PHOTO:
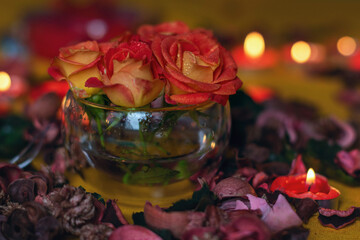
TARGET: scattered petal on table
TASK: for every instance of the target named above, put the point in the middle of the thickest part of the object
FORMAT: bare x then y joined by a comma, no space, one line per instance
133,232
176,222
336,218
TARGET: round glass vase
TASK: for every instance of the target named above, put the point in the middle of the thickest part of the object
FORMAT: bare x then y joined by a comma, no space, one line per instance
143,154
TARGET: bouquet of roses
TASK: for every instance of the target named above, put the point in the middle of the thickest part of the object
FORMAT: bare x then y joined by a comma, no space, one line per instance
169,60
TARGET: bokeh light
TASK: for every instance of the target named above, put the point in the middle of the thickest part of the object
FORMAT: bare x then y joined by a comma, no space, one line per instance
300,52
5,81
346,46
254,45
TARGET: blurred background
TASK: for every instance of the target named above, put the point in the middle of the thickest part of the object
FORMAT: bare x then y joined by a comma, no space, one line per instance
299,50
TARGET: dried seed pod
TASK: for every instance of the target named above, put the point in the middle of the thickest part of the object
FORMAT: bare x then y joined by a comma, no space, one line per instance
233,187
22,190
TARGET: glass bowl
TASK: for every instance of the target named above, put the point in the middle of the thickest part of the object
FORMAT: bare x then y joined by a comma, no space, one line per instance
144,147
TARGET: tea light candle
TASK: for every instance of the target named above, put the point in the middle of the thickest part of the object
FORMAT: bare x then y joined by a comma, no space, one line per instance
308,185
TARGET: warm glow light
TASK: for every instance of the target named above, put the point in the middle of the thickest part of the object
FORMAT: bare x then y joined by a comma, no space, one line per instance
213,144
5,81
254,45
300,52
310,177
346,46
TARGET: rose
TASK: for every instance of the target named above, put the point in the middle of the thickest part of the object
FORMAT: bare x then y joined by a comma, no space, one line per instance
196,66
127,74
148,32
77,64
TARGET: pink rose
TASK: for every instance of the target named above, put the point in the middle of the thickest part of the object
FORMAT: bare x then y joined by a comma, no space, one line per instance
128,78
196,66
77,64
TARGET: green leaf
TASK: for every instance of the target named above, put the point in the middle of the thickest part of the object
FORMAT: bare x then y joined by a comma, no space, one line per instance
199,201
152,175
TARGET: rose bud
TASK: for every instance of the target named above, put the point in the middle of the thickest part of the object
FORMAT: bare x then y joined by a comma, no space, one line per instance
77,64
128,79
196,66
22,190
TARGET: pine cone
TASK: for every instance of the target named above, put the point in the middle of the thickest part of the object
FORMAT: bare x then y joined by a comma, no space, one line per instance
73,208
95,232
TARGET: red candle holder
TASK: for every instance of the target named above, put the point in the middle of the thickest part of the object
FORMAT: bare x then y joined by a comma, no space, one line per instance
295,186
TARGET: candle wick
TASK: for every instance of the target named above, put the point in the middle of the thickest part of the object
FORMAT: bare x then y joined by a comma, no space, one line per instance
309,187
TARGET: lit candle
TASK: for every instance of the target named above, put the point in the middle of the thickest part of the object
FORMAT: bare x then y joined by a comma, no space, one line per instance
253,55
308,185
5,81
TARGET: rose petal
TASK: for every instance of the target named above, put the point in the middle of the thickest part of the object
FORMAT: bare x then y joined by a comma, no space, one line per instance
305,208
176,222
281,216
199,233
133,232
349,162
94,82
247,226
113,214
336,218
297,166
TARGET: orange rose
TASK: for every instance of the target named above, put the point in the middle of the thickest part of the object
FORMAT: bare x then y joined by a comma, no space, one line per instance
77,64
128,79
196,66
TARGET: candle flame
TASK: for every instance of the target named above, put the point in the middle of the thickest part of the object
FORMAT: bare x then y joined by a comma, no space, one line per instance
301,52
5,81
310,177
254,45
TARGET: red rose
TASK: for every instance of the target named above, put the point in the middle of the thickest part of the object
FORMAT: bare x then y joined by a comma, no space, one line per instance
148,32
196,66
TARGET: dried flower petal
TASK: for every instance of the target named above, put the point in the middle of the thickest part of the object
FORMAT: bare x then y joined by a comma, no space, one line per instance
9,173
47,228
215,217
259,178
22,190
349,162
305,208
35,211
336,218
95,232
281,216
233,187
247,226
297,166
41,184
176,222
18,226
133,232
296,233
113,214
203,233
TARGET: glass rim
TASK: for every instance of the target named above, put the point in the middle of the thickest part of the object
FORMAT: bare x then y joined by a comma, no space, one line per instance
206,104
